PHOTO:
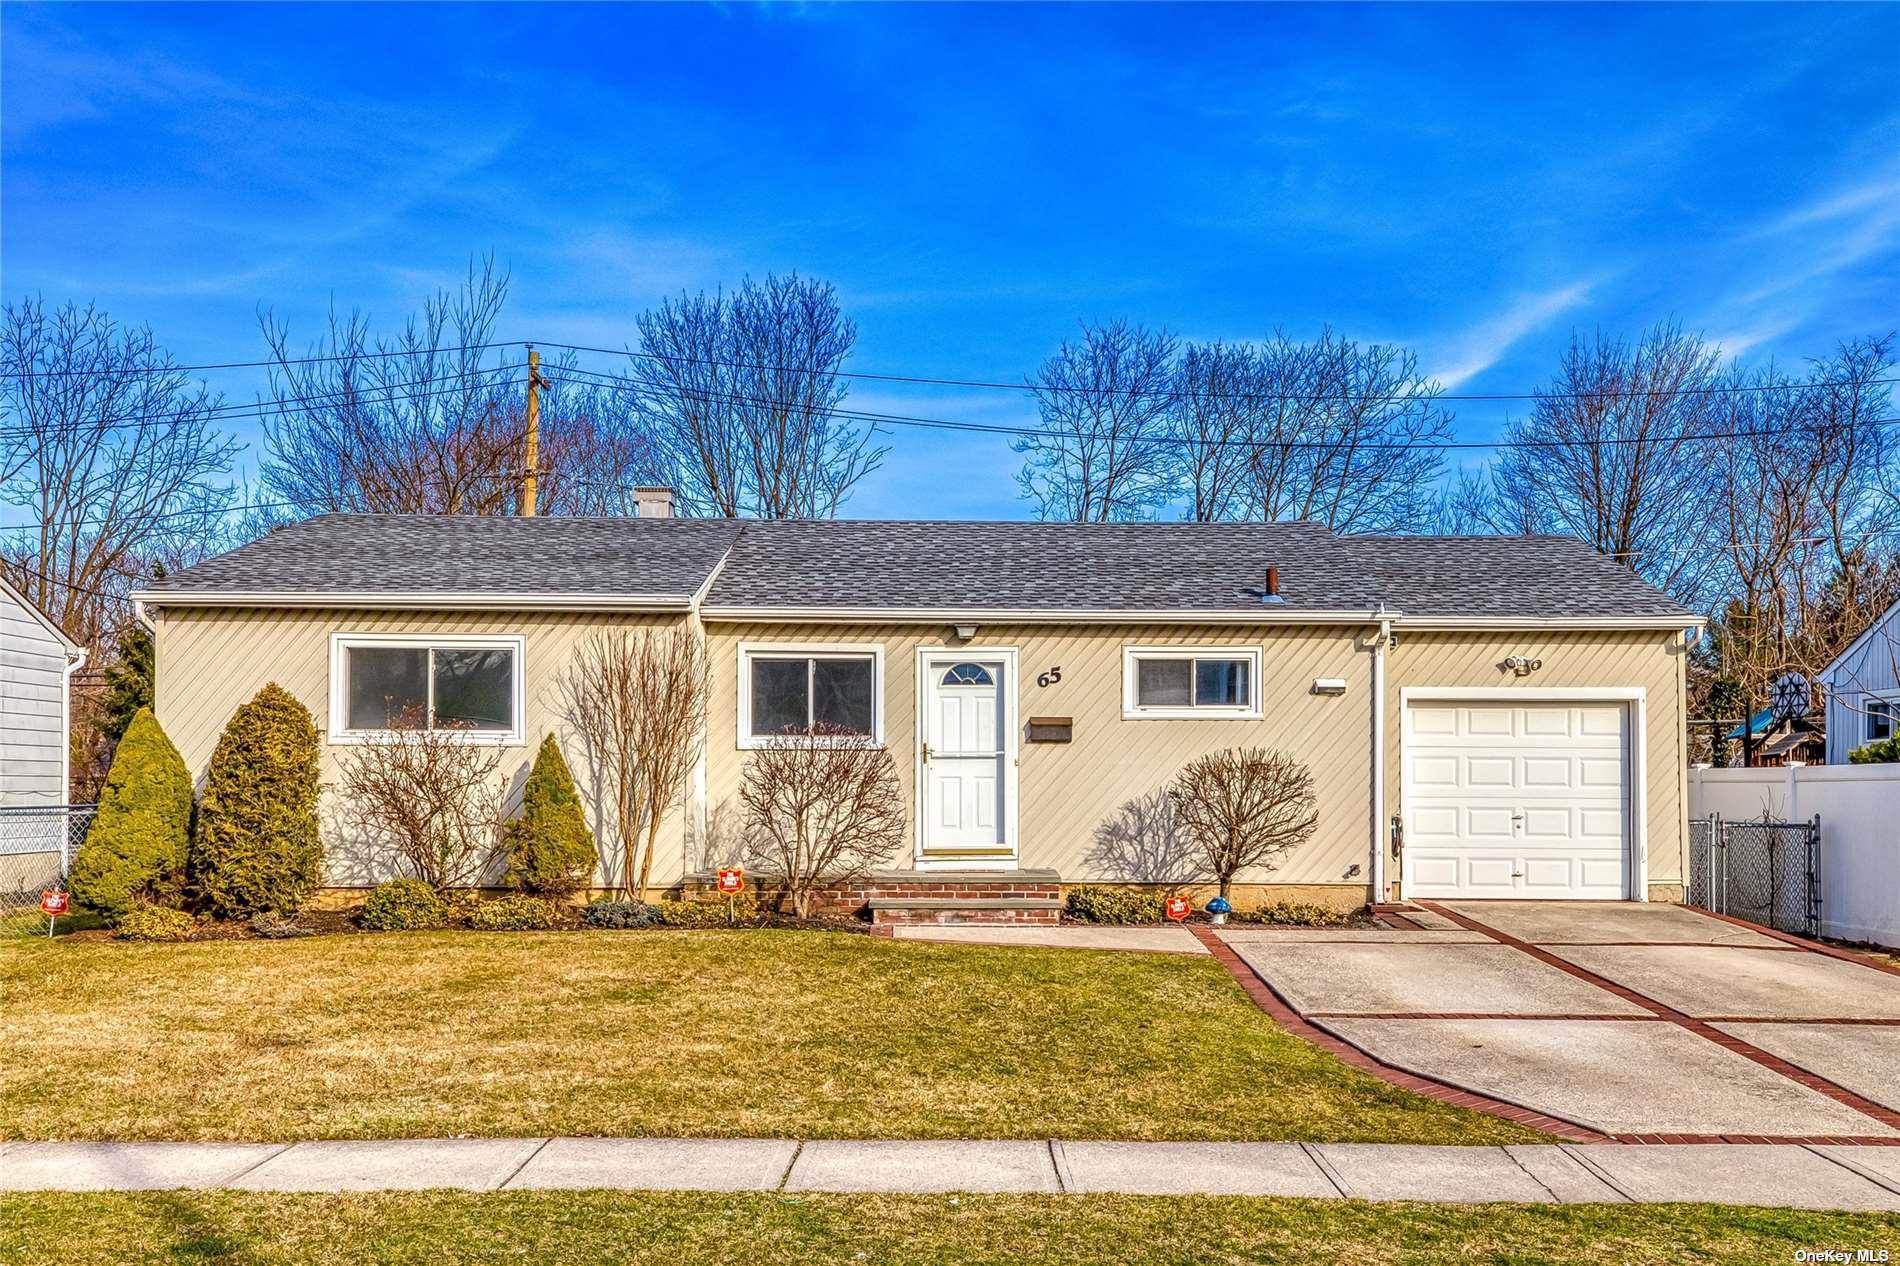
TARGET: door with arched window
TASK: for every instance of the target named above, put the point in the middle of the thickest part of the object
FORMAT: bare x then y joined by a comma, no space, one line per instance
967,757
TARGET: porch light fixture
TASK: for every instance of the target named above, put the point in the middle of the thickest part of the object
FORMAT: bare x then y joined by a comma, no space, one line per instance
965,632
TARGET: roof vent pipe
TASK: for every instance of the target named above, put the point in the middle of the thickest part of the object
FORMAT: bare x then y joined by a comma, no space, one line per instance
1270,592
653,503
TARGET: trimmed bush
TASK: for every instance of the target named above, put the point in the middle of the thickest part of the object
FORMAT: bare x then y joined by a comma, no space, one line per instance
1296,914
621,915
135,850
1879,752
257,846
550,849
519,913
710,914
1114,905
404,905
155,923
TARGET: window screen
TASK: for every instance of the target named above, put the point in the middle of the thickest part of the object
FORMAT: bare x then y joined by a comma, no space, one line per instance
796,693
444,687
385,682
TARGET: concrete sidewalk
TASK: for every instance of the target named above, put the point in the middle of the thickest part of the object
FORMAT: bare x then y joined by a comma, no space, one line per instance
1807,1177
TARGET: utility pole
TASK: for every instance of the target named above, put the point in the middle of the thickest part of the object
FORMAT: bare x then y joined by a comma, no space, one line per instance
532,450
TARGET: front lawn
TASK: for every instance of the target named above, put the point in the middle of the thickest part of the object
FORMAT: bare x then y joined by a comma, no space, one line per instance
734,1033
754,1230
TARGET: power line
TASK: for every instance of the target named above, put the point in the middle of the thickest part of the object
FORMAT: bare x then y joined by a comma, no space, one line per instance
1421,396
274,363
282,407
996,428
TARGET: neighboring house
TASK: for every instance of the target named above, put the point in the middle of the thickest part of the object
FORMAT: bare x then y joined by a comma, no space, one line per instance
1774,743
1516,702
37,663
1862,688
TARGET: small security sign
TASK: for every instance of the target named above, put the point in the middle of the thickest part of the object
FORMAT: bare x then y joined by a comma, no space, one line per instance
731,880
1178,908
53,903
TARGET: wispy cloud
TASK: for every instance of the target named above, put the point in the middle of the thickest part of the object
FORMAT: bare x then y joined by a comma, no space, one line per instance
1469,353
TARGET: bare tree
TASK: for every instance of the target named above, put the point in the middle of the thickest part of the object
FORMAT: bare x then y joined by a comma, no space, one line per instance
432,796
410,424
1212,425
1616,453
823,806
742,391
1142,843
638,701
1244,807
114,455
1103,449
1343,433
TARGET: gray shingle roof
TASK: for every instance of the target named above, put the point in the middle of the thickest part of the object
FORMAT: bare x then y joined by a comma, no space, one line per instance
662,559
935,566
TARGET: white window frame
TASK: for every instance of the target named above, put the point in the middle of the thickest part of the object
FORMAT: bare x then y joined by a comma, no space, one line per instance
341,644
1133,711
750,651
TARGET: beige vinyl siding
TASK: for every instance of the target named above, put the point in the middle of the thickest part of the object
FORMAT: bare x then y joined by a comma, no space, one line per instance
210,661
1652,660
1067,791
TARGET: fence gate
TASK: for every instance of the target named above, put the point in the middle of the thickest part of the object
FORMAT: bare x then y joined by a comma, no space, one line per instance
1764,871
37,846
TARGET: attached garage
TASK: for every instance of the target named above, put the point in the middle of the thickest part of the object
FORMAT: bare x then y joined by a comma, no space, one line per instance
1522,794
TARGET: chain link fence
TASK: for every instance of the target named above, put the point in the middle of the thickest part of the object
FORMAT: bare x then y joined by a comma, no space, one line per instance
1761,870
37,846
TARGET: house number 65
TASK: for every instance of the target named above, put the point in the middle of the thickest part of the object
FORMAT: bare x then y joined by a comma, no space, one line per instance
1049,678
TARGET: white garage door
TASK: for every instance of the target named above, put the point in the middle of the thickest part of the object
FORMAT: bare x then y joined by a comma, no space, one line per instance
1504,800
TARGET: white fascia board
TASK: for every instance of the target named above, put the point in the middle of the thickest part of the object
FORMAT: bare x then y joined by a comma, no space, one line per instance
386,601
1663,623
1024,615
1264,615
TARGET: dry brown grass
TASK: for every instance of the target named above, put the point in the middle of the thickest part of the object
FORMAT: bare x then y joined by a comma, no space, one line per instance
746,1033
430,1228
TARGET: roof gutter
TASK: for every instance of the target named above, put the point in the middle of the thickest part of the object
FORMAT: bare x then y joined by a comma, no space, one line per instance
390,601
1262,615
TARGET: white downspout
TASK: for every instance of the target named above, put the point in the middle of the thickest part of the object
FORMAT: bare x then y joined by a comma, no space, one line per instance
1381,890
73,665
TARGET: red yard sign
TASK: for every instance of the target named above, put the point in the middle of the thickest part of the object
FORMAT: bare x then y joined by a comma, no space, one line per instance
53,903
1179,908
731,879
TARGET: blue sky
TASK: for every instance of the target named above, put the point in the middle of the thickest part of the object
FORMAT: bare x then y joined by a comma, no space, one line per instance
1472,182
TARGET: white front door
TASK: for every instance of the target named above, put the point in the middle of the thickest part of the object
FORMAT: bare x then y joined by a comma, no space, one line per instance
967,756
1515,800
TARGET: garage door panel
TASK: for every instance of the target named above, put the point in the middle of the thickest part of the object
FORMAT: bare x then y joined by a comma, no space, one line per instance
1516,800
1547,722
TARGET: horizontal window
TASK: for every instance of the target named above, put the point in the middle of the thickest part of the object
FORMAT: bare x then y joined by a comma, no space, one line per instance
389,682
1189,682
792,691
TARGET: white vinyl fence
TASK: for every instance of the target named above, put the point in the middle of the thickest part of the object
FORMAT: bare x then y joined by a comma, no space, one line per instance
1859,807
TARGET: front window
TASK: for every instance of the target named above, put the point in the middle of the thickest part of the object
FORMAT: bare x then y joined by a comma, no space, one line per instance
381,683
787,691
1879,720
1189,683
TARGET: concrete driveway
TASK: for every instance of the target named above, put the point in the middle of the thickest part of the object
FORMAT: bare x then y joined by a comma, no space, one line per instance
1629,1019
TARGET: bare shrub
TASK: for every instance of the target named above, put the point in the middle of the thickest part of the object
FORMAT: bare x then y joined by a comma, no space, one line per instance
1245,807
638,701
822,805
432,796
